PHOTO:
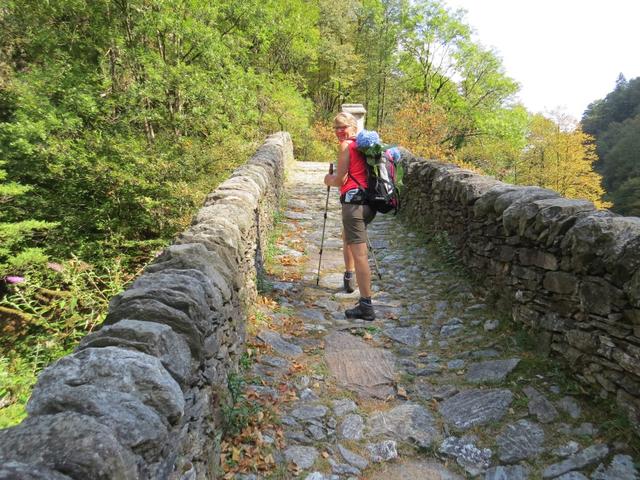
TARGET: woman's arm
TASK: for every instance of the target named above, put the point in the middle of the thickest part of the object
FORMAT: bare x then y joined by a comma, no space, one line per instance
340,177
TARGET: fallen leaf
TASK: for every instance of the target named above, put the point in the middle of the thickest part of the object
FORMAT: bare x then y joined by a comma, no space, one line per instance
236,454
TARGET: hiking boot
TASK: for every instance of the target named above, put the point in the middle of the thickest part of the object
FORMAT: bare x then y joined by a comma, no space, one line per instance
349,281
363,310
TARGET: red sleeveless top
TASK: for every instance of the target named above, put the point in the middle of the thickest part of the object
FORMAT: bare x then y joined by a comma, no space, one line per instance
357,170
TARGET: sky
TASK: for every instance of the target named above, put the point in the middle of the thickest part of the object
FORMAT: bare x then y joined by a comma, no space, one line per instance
564,53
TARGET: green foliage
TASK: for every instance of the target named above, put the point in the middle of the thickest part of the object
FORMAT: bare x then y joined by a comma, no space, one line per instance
43,319
239,412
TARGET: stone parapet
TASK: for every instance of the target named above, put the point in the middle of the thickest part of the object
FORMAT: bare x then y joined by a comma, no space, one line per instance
560,266
141,398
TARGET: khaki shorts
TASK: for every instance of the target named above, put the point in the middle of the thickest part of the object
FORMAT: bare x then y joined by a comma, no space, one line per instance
355,219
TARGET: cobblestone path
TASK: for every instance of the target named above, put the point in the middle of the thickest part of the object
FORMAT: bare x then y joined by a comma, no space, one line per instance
435,388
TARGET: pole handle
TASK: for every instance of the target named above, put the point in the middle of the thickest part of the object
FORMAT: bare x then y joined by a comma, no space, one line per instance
331,168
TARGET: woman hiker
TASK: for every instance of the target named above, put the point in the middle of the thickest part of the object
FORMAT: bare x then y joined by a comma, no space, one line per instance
350,173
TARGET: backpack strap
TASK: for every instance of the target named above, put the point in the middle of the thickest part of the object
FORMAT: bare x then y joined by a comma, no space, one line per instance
354,179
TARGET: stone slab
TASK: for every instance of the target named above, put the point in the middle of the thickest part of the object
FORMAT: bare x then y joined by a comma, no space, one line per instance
411,336
279,344
408,422
357,366
491,370
414,469
519,441
476,407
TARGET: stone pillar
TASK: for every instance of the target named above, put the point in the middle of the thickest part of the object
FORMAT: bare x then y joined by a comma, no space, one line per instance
357,110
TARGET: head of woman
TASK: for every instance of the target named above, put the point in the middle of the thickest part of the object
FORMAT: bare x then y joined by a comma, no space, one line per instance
345,126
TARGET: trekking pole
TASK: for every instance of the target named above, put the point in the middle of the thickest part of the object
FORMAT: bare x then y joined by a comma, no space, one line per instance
326,208
373,254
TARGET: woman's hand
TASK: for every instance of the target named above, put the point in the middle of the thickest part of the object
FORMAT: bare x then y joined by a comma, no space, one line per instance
329,180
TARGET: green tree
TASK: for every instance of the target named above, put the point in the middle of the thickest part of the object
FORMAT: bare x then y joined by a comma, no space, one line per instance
614,122
15,255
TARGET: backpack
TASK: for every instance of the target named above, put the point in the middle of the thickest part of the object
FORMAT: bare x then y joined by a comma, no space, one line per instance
384,173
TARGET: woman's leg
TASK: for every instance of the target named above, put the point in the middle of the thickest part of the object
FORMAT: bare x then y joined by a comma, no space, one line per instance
349,265
360,256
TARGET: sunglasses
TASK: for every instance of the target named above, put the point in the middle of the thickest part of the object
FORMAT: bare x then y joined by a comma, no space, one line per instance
340,128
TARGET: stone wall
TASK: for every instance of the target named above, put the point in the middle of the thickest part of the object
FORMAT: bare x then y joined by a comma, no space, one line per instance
563,268
141,398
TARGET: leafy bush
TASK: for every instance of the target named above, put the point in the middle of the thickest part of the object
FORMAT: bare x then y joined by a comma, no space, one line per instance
45,315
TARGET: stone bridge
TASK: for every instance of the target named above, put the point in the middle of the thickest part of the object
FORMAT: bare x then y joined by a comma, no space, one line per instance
505,341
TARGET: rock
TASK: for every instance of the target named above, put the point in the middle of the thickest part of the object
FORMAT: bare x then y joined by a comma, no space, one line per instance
343,406
520,441
297,436
477,307
540,406
353,458
152,338
71,443
424,370
21,471
415,308
320,476
308,395
413,469
455,364
585,429
135,424
580,460
488,353
108,369
405,422
473,459
241,476
572,476
303,457
621,468
262,391
142,305
275,362
306,412
297,203
333,281
512,472
383,451
282,287
311,314
445,391
351,427
297,216
569,405
317,432
358,366
475,407
343,468
411,336
328,304
279,344
491,370
491,325
451,330
567,449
